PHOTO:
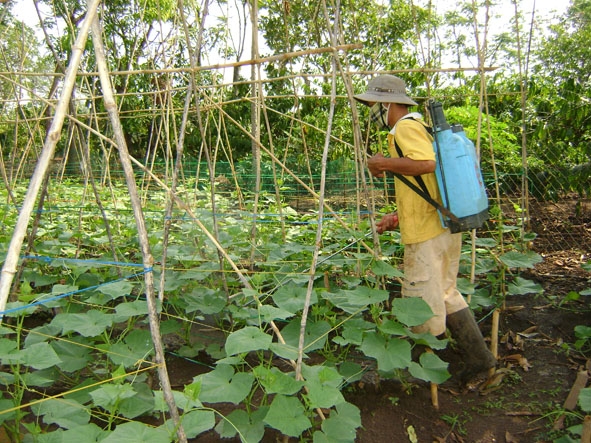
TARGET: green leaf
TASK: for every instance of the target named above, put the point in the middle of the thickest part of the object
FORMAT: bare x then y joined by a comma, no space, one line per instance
585,399
136,432
276,382
40,356
514,259
89,433
269,313
110,395
73,355
116,289
89,324
223,385
382,268
292,298
247,339
411,311
583,332
287,415
206,301
136,347
431,368
251,429
353,330
67,414
130,309
322,395
342,425
141,403
352,301
195,422
285,351
393,327
314,338
390,354
523,286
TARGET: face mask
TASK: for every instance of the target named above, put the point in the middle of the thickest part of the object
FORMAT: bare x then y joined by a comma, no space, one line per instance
378,114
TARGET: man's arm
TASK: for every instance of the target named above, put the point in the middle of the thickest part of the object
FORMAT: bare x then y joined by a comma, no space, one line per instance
378,164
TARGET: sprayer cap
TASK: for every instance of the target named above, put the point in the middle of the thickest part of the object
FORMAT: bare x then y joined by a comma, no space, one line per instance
385,88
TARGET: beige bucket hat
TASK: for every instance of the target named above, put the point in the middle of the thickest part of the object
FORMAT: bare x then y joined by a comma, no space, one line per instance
385,88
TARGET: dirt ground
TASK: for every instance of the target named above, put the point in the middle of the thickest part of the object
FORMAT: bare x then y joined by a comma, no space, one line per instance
536,372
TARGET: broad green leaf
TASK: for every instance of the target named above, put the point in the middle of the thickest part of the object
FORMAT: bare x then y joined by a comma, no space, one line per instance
342,425
514,259
292,298
285,351
116,289
523,286
276,382
326,375
42,378
322,395
382,268
352,301
247,339
89,324
250,429
431,368
137,347
194,422
270,313
5,405
40,356
223,385
353,330
42,333
8,352
428,339
392,327
136,432
89,433
485,242
141,403
110,395
124,311
390,354
67,414
184,401
315,336
206,301
287,415
465,286
583,332
585,400
411,311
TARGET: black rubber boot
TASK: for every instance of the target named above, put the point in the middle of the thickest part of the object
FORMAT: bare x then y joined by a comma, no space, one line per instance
475,355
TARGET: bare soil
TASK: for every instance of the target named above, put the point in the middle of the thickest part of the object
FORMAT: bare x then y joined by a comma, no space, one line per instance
537,363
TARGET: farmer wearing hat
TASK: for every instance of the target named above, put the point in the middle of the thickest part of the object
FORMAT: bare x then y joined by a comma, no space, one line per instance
431,251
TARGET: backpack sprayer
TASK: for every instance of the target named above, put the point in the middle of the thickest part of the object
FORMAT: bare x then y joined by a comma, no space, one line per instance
458,174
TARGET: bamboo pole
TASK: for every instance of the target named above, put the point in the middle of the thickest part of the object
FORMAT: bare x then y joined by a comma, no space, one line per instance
10,264
111,107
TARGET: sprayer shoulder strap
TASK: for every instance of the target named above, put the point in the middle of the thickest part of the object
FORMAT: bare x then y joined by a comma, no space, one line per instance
421,189
418,178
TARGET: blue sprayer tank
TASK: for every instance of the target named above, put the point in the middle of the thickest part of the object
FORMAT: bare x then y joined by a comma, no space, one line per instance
458,174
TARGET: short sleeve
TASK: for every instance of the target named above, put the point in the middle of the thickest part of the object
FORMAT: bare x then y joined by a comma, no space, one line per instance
414,140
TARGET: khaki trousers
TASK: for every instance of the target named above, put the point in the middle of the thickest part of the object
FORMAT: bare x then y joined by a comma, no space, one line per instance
430,272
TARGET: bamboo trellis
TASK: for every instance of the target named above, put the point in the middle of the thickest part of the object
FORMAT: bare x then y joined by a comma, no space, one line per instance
197,106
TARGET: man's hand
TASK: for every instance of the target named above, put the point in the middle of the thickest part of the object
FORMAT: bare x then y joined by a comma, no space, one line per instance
375,165
389,222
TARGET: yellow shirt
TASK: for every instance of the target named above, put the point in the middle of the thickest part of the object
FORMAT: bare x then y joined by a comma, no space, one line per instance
419,220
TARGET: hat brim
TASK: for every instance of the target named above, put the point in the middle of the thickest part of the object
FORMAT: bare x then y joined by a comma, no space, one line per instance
380,97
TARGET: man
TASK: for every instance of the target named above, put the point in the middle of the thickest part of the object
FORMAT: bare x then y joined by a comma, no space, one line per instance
431,252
